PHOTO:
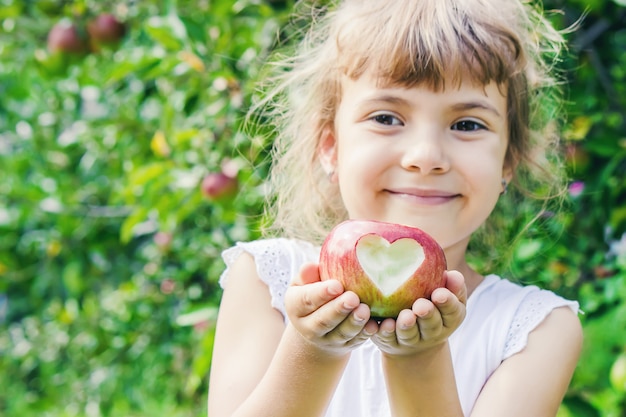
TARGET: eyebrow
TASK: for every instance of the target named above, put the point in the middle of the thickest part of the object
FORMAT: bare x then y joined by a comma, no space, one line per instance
470,105
387,98
463,106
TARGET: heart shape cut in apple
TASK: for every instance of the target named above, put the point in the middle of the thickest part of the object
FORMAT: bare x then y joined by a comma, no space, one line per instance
387,265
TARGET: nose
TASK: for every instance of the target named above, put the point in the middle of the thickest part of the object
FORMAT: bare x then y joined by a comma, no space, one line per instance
425,152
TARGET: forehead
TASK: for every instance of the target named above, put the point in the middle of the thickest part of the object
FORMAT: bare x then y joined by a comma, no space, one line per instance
464,93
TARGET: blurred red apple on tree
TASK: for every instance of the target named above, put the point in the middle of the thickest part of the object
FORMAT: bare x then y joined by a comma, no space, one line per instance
105,30
219,186
67,37
163,240
387,265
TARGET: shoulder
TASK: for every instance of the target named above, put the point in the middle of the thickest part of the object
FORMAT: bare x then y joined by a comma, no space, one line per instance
273,262
505,324
534,330
274,258
521,307
555,344
502,293
515,389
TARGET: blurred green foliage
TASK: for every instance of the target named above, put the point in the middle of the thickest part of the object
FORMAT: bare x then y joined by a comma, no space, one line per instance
109,248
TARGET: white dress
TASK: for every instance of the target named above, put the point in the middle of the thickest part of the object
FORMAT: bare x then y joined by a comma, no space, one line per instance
500,316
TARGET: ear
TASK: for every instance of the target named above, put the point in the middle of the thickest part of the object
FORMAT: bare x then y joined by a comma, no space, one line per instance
327,152
507,173
509,168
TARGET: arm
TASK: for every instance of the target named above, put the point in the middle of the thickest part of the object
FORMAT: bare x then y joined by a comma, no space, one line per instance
422,385
534,381
242,351
416,356
262,368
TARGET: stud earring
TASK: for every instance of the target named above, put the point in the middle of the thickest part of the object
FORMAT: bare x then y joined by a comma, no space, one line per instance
330,175
504,187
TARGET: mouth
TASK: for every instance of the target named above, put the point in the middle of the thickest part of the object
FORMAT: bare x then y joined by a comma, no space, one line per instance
423,196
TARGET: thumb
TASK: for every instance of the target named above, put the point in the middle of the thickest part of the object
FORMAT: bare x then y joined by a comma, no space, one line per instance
455,282
309,273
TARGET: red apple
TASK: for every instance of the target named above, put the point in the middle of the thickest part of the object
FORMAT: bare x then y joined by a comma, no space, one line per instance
163,240
105,29
168,286
387,265
218,185
67,37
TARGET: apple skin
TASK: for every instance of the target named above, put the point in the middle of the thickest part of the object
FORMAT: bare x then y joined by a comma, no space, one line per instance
339,260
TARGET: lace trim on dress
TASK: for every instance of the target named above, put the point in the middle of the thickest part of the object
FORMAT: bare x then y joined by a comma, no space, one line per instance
277,262
531,312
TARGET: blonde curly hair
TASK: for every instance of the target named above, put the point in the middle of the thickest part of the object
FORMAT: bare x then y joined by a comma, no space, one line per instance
407,43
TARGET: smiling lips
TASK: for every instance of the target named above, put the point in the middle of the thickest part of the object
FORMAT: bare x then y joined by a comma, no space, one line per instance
421,196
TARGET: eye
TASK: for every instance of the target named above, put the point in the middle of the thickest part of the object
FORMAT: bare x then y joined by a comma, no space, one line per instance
468,126
386,119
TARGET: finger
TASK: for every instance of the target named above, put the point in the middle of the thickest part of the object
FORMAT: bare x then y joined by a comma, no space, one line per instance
455,282
386,332
423,308
309,273
351,330
330,315
452,310
302,300
428,317
407,332
371,327
388,325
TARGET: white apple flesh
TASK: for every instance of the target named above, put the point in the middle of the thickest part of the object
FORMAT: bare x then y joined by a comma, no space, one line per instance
387,265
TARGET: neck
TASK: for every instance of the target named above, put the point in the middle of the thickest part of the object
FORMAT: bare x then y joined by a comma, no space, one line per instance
455,255
472,278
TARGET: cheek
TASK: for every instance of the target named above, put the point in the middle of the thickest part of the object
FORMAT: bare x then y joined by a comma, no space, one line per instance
484,161
484,176
358,158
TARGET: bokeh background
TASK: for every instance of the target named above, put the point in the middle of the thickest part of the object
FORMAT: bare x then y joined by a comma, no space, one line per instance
123,175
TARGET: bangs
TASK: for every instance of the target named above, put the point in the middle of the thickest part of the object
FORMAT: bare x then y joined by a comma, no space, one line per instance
429,42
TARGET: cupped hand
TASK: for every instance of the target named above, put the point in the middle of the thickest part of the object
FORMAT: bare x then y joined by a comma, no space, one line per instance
428,323
333,320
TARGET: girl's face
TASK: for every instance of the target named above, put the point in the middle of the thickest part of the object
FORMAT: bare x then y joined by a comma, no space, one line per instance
433,160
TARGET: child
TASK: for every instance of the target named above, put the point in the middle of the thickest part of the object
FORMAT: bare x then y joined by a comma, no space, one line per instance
419,112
